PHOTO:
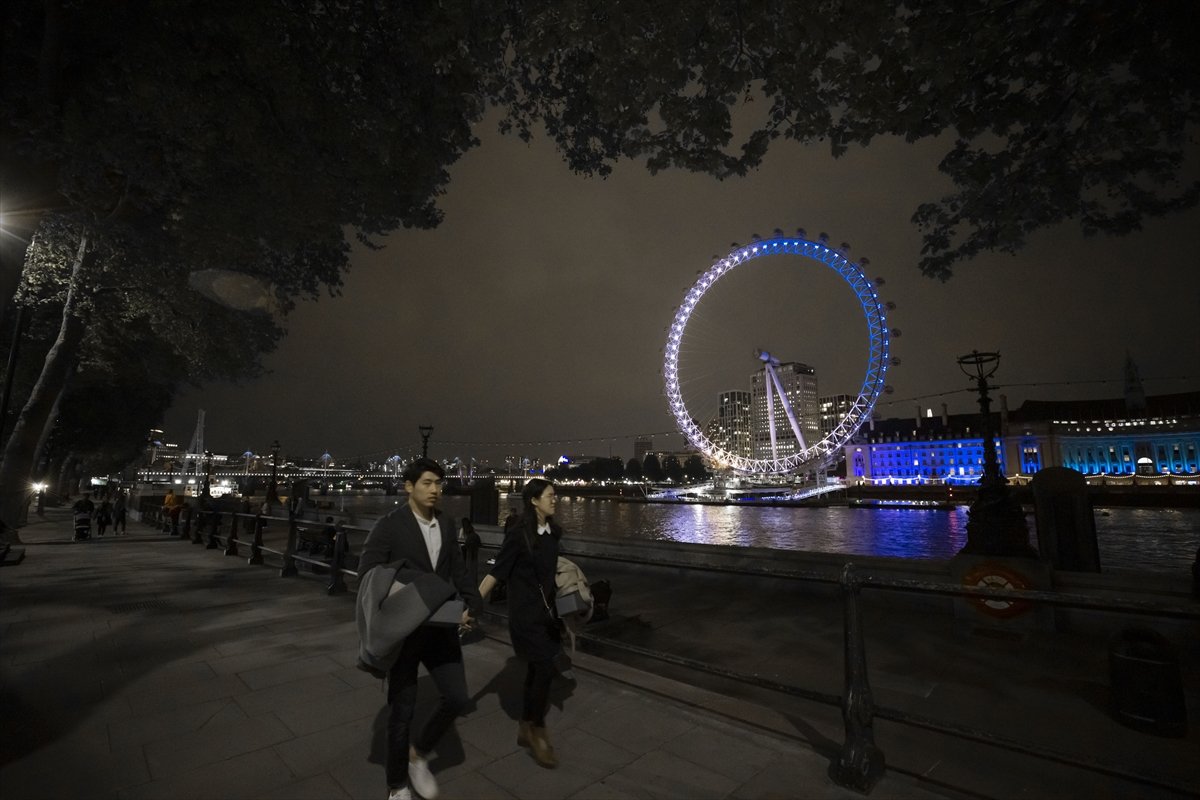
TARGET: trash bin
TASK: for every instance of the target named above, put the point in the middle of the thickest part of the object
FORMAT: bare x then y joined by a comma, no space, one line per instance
1147,690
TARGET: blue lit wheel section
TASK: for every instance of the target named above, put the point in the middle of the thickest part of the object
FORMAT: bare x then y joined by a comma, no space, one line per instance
825,450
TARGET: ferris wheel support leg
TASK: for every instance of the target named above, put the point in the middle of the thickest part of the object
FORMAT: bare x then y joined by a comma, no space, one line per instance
787,409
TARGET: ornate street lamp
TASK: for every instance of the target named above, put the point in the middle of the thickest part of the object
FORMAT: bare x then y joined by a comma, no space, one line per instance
996,524
425,430
272,487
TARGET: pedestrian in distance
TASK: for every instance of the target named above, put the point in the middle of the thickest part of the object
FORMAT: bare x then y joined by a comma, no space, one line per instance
526,563
416,536
103,516
470,548
118,511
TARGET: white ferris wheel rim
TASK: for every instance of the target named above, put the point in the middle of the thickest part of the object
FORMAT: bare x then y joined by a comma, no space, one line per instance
873,380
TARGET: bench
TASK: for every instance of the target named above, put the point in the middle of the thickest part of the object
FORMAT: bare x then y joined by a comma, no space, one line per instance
309,545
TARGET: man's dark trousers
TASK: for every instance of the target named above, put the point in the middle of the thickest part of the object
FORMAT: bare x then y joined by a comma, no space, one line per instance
437,647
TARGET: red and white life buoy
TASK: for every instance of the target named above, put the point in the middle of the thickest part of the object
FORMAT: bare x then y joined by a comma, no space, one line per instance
997,576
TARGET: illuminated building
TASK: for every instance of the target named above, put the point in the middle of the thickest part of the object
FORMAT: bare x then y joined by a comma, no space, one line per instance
834,409
1110,438
798,384
734,423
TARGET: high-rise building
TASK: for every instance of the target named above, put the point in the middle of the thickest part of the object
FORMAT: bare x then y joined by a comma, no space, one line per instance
834,408
734,424
799,384
641,446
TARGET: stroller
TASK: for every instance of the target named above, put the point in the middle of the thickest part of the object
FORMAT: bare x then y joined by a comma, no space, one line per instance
83,524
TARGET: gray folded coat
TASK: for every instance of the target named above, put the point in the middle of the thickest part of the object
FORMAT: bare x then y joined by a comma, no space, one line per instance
384,621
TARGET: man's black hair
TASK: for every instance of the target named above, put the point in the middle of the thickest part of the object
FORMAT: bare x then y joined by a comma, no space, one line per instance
414,471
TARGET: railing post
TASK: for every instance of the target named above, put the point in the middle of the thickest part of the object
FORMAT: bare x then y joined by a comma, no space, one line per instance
188,513
337,581
197,524
861,763
231,543
214,522
256,543
289,563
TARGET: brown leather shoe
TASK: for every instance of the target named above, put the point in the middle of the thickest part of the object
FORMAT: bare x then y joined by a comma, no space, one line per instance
543,751
524,733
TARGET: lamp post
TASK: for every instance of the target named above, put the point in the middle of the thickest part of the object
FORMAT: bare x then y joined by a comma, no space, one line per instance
272,488
425,430
996,524
40,488
208,459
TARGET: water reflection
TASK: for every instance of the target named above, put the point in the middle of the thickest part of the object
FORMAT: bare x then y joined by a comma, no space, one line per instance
1129,538
1149,539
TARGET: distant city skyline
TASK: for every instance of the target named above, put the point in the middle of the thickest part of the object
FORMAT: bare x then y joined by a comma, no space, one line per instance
531,322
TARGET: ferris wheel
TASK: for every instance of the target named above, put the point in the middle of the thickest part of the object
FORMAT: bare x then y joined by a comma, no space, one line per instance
802,454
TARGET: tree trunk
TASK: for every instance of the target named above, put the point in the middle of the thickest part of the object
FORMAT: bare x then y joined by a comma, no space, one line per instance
66,476
17,465
39,453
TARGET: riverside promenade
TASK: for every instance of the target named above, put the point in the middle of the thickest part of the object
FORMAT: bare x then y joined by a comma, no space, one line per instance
143,666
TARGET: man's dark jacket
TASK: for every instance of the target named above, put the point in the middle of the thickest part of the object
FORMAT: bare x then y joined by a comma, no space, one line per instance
397,537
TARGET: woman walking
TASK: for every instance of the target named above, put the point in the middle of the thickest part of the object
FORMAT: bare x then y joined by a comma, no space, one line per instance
526,563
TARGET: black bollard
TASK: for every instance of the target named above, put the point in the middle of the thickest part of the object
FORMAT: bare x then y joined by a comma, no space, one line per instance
861,763
231,543
1196,574
256,544
289,552
186,532
337,581
214,523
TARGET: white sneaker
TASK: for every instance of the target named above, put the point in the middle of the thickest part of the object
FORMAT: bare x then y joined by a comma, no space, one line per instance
421,779
400,794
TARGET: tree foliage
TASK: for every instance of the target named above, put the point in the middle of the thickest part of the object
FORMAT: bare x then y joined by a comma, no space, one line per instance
1054,110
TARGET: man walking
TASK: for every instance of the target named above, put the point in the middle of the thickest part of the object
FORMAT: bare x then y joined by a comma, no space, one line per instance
419,535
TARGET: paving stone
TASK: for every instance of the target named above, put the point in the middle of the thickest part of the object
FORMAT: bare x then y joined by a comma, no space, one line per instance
282,695
79,764
520,775
328,749
306,713
288,671
473,786
168,697
662,774
657,723
214,742
318,787
136,731
728,752
244,777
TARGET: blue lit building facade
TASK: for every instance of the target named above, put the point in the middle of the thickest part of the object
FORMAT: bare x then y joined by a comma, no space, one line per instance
1108,439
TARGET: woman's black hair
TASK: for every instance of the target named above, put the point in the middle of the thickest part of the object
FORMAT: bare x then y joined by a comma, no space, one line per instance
534,489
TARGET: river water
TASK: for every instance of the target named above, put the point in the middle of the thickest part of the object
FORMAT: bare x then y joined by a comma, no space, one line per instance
1153,539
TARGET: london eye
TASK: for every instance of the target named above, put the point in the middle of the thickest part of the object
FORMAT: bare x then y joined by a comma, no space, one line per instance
781,420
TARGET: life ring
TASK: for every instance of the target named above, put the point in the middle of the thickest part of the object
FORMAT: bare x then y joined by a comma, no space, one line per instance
997,576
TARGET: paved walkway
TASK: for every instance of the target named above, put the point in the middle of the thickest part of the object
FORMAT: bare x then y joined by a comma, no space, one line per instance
146,667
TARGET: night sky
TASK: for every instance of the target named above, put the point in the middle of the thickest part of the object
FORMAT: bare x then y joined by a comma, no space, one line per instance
532,321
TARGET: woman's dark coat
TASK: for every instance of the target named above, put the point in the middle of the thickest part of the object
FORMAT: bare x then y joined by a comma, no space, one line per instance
536,635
